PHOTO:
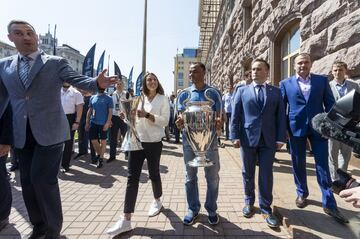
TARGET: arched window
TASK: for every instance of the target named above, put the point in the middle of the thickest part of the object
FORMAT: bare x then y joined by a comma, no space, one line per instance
284,48
290,47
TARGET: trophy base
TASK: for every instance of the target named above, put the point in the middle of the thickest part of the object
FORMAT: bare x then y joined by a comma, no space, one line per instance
131,142
200,162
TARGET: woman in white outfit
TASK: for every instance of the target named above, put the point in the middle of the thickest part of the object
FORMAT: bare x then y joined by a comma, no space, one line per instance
152,117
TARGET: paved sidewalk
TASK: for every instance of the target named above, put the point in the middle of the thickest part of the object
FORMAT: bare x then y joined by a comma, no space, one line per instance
93,198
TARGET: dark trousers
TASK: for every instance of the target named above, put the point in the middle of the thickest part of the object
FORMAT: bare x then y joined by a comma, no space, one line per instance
39,168
69,143
117,124
298,156
152,153
265,157
227,125
5,190
83,141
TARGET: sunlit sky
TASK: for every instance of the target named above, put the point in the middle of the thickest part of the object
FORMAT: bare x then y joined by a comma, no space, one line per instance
117,27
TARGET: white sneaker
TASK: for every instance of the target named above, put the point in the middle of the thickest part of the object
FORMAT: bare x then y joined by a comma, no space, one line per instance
120,226
155,208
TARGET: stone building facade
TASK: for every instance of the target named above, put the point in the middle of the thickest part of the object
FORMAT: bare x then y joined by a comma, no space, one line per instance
6,50
277,30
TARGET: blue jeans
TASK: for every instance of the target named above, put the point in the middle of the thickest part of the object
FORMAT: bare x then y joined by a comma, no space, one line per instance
211,175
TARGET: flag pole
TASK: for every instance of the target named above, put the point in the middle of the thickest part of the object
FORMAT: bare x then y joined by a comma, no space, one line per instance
54,50
108,68
144,39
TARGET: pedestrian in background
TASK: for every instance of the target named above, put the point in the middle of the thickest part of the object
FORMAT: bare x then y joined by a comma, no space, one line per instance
98,121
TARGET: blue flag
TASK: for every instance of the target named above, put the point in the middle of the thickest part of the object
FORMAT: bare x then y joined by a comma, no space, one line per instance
88,65
138,84
117,70
130,86
100,66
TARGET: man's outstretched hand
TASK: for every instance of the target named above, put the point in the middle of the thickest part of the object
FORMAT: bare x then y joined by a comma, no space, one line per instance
104,81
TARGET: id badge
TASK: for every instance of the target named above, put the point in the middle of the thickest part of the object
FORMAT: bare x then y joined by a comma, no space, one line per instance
117,108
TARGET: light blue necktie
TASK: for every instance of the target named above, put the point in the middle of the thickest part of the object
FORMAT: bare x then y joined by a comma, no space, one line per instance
24,69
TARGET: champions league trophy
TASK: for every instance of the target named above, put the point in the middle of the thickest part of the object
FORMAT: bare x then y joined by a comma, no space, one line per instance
131,140
199,125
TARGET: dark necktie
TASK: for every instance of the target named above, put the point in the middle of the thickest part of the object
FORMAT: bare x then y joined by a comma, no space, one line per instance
24,68
260,97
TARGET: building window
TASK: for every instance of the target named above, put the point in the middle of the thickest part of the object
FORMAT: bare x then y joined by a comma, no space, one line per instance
181,75
180,82
247,15
284,48
290,47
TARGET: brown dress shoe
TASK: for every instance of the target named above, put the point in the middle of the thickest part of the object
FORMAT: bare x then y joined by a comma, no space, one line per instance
300,202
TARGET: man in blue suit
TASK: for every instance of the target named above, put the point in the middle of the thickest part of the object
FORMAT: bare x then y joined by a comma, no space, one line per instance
258,126
306,95
32,81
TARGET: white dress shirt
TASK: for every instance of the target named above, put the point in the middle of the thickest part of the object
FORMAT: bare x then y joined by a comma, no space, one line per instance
117,97
305,86
70,99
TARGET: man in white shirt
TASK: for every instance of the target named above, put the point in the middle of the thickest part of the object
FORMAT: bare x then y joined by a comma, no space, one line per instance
72,103
117,122
227,98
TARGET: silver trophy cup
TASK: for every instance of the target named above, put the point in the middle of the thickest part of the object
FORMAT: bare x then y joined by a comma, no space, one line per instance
131,140
199,127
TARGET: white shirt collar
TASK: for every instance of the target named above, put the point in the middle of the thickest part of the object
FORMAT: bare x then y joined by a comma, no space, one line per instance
31,55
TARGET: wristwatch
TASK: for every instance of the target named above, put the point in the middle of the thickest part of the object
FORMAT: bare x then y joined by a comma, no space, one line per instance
147,115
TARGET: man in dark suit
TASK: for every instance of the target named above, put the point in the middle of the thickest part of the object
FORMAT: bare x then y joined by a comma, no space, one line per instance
32,80
306,95
6,138
258,126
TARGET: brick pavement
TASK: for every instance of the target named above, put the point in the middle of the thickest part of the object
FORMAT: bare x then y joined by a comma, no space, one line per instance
92,201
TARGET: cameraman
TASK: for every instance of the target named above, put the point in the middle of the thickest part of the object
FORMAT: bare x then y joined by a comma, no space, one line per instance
351,195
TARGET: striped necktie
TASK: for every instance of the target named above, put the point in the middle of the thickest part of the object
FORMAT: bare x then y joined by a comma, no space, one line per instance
24,69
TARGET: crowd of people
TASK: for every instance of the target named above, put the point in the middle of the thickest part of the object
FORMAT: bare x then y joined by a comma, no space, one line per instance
43,101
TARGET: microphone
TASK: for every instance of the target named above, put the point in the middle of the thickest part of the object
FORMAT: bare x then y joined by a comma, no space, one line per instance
328,128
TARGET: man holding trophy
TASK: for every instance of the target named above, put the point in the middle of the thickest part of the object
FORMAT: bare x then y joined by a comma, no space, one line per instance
199,108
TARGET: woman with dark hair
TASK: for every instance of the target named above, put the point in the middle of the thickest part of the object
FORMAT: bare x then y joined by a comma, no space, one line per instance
152,117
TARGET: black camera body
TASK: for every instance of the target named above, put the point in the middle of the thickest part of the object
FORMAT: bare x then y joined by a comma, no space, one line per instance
345,181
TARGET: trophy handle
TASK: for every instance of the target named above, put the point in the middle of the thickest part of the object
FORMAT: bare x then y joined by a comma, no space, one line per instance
184,102
211,100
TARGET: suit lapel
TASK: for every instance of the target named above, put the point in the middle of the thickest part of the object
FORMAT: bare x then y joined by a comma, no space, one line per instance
39,63
313,86
296,85
268,92
253,95
334,90
15,72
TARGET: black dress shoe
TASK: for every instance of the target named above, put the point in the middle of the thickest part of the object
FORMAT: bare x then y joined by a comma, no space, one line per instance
36,234
336,214
271,220
110,160
300,202
248,211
